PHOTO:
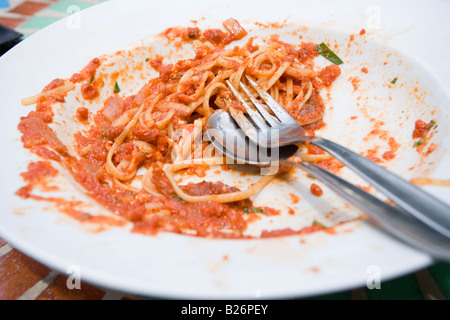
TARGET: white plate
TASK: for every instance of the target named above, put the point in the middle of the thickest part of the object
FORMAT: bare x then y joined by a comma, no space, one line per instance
169,265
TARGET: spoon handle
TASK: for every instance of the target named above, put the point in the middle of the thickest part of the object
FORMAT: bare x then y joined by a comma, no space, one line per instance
392,219
423,206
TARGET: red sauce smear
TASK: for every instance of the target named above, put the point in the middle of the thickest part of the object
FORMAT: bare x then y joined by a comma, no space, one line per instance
150,213
420,129
316,190
37,175
289,232
82,114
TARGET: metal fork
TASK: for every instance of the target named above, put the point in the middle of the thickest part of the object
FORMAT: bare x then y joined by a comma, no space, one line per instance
229,140
280,129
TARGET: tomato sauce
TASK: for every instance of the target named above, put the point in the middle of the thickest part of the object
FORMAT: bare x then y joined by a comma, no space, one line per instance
311,111
82,114
289,232
164,211
35,132
307,52
316,190
329,74
420,129
88,72
89,92
390,154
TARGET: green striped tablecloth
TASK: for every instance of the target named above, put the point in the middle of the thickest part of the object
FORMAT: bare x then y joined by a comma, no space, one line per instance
28,17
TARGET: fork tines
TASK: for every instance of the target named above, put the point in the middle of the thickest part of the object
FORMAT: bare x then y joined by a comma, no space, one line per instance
259,120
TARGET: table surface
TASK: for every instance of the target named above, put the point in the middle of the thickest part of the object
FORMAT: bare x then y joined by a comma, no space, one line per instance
24,278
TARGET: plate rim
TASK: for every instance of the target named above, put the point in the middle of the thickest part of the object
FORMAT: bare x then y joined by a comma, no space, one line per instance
22,245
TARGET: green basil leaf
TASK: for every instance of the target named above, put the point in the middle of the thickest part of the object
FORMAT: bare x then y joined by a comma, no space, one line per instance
116,88
174,196
317,223
419,142
432,125
323,50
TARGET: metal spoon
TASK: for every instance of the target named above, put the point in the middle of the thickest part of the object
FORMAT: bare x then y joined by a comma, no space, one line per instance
229,139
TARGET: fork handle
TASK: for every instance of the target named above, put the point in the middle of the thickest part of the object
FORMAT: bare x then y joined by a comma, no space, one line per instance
417,202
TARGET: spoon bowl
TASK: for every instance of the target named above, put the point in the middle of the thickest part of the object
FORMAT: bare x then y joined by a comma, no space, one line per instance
226,136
